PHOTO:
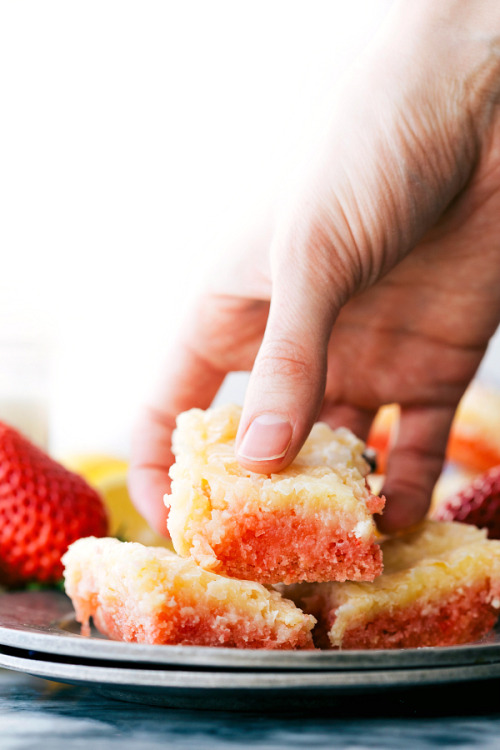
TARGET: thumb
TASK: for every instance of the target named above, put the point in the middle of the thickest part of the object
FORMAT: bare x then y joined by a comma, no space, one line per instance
287,383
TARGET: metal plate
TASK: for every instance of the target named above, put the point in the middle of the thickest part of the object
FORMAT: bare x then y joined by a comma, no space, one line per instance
44,622
242,690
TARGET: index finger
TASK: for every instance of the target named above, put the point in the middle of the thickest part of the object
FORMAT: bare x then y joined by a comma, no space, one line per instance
189,381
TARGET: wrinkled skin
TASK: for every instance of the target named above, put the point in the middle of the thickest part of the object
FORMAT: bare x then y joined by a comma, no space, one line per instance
383,268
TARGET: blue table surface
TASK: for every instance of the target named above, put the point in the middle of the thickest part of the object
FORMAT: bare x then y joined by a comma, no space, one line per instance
36,714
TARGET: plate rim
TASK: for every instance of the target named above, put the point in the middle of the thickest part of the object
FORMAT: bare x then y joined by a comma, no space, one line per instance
245,680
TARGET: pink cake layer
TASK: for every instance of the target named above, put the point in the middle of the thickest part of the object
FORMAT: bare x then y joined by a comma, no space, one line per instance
465,617
202,627
271,546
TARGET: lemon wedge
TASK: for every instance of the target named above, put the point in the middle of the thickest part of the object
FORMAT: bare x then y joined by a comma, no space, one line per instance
108,475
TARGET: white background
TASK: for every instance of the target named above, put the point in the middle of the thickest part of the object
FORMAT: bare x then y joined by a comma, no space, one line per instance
132,135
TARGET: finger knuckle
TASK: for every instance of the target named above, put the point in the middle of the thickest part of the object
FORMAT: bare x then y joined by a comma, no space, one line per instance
287,360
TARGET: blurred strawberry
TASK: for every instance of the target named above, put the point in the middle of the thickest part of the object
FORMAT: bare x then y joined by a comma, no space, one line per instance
43,509
478,503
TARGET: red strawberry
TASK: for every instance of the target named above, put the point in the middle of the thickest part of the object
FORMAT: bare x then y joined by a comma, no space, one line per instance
43,509
477,504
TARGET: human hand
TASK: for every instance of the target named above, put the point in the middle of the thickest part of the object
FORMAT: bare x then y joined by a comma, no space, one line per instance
383,270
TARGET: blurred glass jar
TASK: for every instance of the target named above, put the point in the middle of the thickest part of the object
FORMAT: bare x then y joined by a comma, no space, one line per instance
24,388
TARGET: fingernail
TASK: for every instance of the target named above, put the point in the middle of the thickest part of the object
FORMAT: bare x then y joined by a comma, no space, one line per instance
267,438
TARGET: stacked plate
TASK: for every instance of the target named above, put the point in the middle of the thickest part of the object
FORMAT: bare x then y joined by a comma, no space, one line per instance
39,635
